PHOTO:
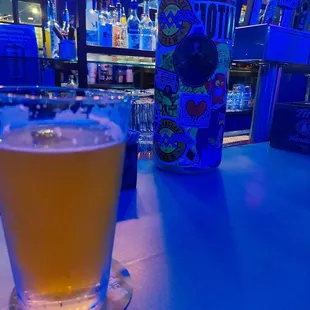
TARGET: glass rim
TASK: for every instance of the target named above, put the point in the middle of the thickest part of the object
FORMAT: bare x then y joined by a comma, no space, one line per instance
14,94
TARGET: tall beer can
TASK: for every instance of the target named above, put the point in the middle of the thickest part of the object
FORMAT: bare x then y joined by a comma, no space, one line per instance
193,56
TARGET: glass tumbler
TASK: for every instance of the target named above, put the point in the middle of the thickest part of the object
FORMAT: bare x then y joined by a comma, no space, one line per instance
61,158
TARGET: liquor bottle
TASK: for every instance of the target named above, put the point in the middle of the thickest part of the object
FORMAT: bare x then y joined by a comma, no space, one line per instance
124,35
120,75
155,32
252,12
71,83
98,6
288,10
52,41
117,26
92,72
111,10
98,9
49,10
123,18
133,24
302,12
47,29
71,33
66,18
118,10
129,75
54,8
113,18
270,12
92,21
146,29
105,27
104,74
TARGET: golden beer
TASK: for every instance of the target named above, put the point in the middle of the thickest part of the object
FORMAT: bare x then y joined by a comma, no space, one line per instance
59,186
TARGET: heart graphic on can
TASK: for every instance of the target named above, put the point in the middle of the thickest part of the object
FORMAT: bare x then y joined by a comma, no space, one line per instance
195,110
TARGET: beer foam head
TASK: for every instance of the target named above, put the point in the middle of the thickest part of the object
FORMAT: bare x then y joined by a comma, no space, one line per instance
62,136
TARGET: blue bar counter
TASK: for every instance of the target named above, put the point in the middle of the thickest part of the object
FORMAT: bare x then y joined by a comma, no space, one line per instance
237,238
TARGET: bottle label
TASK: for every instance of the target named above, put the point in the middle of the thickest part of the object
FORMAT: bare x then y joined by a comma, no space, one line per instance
124,39
133,41
54,43
104,74
92,37
146,42
105,35
129,75
117,34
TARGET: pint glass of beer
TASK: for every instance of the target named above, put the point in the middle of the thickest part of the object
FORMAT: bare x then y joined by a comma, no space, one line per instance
61,158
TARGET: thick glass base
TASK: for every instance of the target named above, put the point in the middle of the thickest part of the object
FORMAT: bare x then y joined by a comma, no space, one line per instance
118,297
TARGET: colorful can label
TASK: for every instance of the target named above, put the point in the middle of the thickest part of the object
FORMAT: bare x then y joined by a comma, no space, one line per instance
192,62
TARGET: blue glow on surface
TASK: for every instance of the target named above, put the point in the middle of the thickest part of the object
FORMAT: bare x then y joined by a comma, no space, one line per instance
237,238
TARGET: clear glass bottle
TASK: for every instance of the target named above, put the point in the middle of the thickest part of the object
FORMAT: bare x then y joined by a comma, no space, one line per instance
118,10
117,26
66,18
133,24
123,18
270,12
71,82
155,32
124,36
104,74
49,10
146,29
129,75
52,41
92,21
105,27
120,76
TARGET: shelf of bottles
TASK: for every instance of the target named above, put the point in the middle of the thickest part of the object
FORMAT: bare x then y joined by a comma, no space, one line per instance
55,33
108,26
109,31
113,43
